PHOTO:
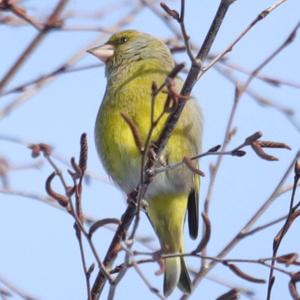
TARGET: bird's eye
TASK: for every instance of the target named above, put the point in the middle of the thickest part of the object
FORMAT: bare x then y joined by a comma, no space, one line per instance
122,40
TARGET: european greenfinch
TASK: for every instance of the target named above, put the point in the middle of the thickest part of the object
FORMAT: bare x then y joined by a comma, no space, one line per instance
133,61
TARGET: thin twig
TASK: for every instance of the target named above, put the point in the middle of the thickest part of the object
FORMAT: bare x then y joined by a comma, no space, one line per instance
21,13
258,98
247,227
52,19
135,265
12,287
216,259
57,156
260,17
185,36
239,91
279,237
42,81
272,80
84,264
78,219
192,75
64,69
238,94
167,130
262,100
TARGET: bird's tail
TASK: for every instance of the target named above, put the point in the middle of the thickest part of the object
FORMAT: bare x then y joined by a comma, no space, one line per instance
167,214
176,274
172,274
184,283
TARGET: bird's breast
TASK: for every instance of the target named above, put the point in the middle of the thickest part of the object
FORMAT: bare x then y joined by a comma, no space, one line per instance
116,144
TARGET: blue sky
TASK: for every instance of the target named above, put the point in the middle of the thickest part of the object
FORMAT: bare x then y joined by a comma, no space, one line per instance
39,250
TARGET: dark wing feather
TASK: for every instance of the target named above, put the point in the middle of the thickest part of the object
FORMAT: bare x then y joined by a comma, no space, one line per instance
193,209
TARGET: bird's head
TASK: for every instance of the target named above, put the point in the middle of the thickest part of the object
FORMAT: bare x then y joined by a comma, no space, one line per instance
129,46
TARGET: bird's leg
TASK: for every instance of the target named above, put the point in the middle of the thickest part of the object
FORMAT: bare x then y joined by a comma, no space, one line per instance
155,161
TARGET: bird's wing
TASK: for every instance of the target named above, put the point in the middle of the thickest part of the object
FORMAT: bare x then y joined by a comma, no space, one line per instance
193,208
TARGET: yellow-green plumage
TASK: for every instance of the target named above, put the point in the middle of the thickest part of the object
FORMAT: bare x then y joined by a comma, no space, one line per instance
134,62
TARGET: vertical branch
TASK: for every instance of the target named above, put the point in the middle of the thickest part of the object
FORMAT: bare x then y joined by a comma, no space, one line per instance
185,36
83,260
226,140
280,235
81,167
215,168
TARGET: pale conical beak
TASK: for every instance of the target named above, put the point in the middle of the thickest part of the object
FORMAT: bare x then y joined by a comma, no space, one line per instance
103,52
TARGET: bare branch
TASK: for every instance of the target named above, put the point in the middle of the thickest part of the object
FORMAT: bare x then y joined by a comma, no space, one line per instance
51,21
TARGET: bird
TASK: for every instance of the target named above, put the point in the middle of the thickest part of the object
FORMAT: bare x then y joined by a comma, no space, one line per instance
134,61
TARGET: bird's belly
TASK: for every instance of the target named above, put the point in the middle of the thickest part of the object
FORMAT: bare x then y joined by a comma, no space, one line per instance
122,159
118,152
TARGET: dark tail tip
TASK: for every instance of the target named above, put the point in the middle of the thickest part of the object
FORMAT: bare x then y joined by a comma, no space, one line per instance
184,283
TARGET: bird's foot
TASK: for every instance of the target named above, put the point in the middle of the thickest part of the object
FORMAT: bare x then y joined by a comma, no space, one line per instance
157,257
132,200
132,197
155,158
